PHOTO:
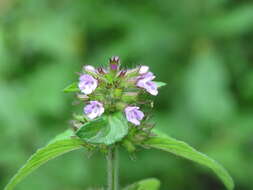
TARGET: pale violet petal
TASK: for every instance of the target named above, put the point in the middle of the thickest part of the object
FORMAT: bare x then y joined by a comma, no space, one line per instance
89,68
143,69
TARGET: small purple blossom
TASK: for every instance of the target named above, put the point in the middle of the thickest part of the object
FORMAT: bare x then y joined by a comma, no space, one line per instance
94,109
145,81
143,69
149,86
87,84
134,115
89,68
147,76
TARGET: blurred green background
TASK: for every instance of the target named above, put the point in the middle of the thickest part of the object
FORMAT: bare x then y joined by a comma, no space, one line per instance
201,48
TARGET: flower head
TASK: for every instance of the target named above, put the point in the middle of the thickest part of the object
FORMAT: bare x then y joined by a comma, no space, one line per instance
114,95
87,84
134,115
94,109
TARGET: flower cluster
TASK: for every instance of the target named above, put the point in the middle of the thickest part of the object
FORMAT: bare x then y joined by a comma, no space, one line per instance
113,89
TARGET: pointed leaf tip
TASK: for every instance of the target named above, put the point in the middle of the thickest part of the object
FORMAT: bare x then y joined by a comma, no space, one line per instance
160,84
180,148
72,88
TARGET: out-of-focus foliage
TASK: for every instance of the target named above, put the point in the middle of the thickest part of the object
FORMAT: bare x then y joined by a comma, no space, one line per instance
201,49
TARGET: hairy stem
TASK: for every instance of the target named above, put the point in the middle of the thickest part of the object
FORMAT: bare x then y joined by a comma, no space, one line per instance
112,168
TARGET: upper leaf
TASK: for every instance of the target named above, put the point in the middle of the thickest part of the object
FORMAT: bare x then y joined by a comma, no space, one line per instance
72,88
160,84
147,184
55,148
180,148
62,136
104,130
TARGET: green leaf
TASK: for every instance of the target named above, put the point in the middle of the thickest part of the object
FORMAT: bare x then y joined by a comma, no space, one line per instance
72,88
160,84
56,148
180,148
105,130
147,184
65,135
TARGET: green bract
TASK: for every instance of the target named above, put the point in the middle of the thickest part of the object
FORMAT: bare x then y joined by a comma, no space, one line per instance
72,88
105,130
160,84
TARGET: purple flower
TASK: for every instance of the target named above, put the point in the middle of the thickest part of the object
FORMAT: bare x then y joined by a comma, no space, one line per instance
143,69
87,84
145,81
89,68
94,109
147,76
134,115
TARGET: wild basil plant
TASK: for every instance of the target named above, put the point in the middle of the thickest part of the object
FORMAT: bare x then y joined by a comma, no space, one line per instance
117,108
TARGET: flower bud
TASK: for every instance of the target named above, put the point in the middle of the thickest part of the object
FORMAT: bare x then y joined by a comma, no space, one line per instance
122,73
114,63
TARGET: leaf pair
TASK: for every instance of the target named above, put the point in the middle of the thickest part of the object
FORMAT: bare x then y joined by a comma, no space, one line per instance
64,143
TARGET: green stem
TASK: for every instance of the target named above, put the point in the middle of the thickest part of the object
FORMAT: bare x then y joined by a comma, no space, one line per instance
112,168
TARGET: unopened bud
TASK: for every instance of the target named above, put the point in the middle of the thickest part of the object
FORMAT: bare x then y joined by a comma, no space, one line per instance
115,59
122,73
114,63
102,70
